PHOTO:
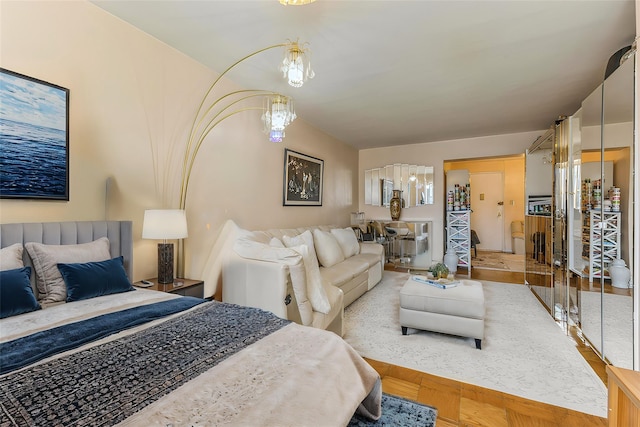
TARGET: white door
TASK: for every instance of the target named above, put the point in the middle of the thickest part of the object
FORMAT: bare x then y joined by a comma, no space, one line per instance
487,205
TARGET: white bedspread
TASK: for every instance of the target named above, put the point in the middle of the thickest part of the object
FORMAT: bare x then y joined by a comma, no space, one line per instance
297,376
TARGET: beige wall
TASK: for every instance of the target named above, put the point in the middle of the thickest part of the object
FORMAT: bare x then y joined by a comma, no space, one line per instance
435,154
132,100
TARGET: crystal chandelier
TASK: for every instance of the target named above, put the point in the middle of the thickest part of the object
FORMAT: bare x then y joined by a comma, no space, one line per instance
296,65
295,2
278,114
217,106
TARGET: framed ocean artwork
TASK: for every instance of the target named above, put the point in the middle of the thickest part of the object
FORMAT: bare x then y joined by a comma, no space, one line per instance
34,138
303,176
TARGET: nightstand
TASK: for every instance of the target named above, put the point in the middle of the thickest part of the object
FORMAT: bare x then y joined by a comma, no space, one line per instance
184,287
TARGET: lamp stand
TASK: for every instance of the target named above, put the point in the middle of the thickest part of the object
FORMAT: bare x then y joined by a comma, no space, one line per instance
165,263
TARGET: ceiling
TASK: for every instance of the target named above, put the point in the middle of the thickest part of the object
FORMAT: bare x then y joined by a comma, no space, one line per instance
402,72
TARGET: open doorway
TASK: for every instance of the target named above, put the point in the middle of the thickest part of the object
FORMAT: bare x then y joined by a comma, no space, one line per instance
487,215
499,181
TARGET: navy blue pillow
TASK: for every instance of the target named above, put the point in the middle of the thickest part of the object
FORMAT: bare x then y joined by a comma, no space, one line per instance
16,294
94,279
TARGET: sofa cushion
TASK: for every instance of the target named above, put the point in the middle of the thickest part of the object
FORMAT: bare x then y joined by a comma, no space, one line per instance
347,240
343,272
315,291
280,233
370,259
327,248
299,285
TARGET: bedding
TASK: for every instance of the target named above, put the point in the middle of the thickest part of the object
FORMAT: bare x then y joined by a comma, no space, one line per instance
16,295
23,351
94,279
11,257
154,358
51,286
211,364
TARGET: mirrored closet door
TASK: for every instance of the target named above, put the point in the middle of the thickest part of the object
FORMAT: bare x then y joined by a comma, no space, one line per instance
601,216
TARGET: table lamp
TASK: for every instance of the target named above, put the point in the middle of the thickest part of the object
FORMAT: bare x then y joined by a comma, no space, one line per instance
164,224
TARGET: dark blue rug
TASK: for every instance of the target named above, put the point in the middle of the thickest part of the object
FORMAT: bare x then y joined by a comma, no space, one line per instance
398,412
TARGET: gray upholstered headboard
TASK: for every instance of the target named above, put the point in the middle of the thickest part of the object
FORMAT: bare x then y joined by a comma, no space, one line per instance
119,233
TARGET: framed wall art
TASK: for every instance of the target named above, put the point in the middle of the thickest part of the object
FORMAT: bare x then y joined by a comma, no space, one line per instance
34,138
303,177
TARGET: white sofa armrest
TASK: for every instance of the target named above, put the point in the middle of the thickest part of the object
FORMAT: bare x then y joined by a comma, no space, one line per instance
257,284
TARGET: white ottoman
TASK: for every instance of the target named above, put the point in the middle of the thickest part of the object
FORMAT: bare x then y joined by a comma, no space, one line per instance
456,311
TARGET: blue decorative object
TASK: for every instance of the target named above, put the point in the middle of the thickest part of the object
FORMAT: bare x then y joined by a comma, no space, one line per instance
16,294
94,279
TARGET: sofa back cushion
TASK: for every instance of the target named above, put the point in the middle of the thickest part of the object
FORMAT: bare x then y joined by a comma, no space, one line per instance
347,240
327,248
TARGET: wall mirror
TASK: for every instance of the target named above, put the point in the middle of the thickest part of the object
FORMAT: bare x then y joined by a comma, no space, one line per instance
415,182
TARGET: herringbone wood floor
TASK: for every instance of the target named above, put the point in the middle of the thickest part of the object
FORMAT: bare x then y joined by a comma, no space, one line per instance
460,404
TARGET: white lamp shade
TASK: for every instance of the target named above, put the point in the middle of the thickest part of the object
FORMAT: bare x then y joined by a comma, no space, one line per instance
164,224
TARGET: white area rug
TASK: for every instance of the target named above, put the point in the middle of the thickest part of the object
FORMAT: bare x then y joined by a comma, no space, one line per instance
524,352
618,325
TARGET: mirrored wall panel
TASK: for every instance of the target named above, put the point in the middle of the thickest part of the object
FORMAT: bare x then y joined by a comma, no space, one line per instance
415,182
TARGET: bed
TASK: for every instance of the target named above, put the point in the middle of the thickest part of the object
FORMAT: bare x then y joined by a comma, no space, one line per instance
112,354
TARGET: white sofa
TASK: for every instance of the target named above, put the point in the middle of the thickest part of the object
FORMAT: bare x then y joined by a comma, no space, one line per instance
262,272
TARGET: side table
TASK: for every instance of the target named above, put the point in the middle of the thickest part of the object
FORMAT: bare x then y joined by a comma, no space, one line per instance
184,287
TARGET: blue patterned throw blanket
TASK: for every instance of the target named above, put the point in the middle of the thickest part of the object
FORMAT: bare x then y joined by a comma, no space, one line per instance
104,384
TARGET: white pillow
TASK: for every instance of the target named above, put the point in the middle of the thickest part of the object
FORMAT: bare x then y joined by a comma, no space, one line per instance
276,243
299,284
11,257
45,259
327,248
347,240
315,291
